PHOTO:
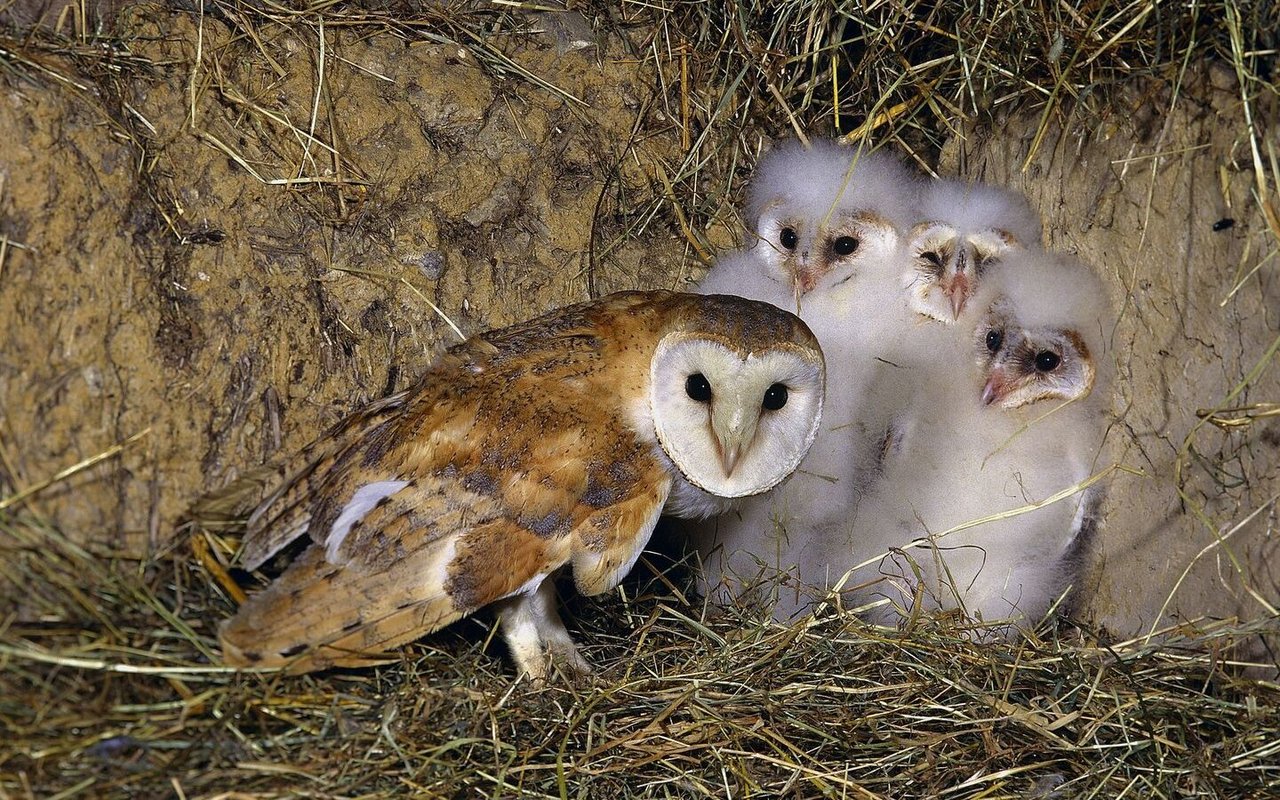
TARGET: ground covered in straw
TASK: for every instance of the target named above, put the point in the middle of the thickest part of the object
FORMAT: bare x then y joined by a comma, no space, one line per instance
223,225
120,700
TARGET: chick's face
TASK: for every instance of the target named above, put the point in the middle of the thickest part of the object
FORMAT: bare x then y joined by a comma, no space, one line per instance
1021,366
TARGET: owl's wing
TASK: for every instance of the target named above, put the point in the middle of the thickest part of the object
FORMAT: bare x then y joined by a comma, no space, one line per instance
533,356
407,569
472,487
428,553
286,513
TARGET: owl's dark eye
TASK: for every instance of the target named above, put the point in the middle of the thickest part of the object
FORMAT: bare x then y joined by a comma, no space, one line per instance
1047,361
775,397
698,388
932,258
995,338
844,245
788,238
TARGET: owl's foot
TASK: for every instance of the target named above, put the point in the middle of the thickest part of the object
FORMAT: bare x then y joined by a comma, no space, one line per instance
537,638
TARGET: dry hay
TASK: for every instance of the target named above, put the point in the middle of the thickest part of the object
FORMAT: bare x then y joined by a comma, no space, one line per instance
110,685
119,699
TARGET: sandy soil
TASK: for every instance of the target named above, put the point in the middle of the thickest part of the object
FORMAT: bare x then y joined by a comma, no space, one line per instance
228,259
256,314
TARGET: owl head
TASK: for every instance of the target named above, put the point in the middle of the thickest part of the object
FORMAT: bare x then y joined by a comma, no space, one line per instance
1043,334
823,212
736,395
965,228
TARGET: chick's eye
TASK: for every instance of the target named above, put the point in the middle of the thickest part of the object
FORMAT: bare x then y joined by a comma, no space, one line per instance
844,245
788,238
932,258
1047,361
994,339
698,388
775,397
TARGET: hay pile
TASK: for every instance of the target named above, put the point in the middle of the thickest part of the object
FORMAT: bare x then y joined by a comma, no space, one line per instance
119,700
110,685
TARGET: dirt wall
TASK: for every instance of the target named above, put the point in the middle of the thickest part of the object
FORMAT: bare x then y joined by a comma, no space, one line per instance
229,256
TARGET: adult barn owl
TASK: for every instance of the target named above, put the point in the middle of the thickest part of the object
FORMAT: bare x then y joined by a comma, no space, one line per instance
553,443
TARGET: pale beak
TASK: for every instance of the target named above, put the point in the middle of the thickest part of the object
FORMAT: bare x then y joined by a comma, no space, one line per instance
958,291
733,435
805,277
997,387
729,457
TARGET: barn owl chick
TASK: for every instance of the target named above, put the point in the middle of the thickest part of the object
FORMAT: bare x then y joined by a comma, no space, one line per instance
1013,422
548,444
816,214
964,229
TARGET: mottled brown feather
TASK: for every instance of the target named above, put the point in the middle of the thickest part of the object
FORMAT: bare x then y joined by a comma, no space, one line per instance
520,458
286,512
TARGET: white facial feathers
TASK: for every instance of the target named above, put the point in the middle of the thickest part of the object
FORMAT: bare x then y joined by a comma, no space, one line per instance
962,230
1044,334
814,211
734,424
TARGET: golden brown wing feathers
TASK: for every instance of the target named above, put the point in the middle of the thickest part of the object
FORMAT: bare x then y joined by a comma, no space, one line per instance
286,512
488,445
605,544
420,559
319,614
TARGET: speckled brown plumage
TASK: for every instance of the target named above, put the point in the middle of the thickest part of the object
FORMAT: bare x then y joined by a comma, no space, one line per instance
519,454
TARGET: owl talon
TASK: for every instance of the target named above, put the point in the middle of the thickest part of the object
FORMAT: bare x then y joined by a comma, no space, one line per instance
537,638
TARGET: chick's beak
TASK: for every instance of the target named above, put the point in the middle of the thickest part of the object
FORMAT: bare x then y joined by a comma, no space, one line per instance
997,387
958,292
805,277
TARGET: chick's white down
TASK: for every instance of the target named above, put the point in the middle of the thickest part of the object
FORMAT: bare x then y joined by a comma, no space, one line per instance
828,235
907,446
1014,416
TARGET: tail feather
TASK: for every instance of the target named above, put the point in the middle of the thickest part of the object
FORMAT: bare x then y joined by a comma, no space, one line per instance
318,615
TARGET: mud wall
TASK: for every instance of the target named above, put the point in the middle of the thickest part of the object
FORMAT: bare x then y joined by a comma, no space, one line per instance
227,253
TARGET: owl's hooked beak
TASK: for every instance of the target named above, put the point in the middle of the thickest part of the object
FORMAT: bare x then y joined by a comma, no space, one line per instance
998,386
960,287
734,431
805,279
958,292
